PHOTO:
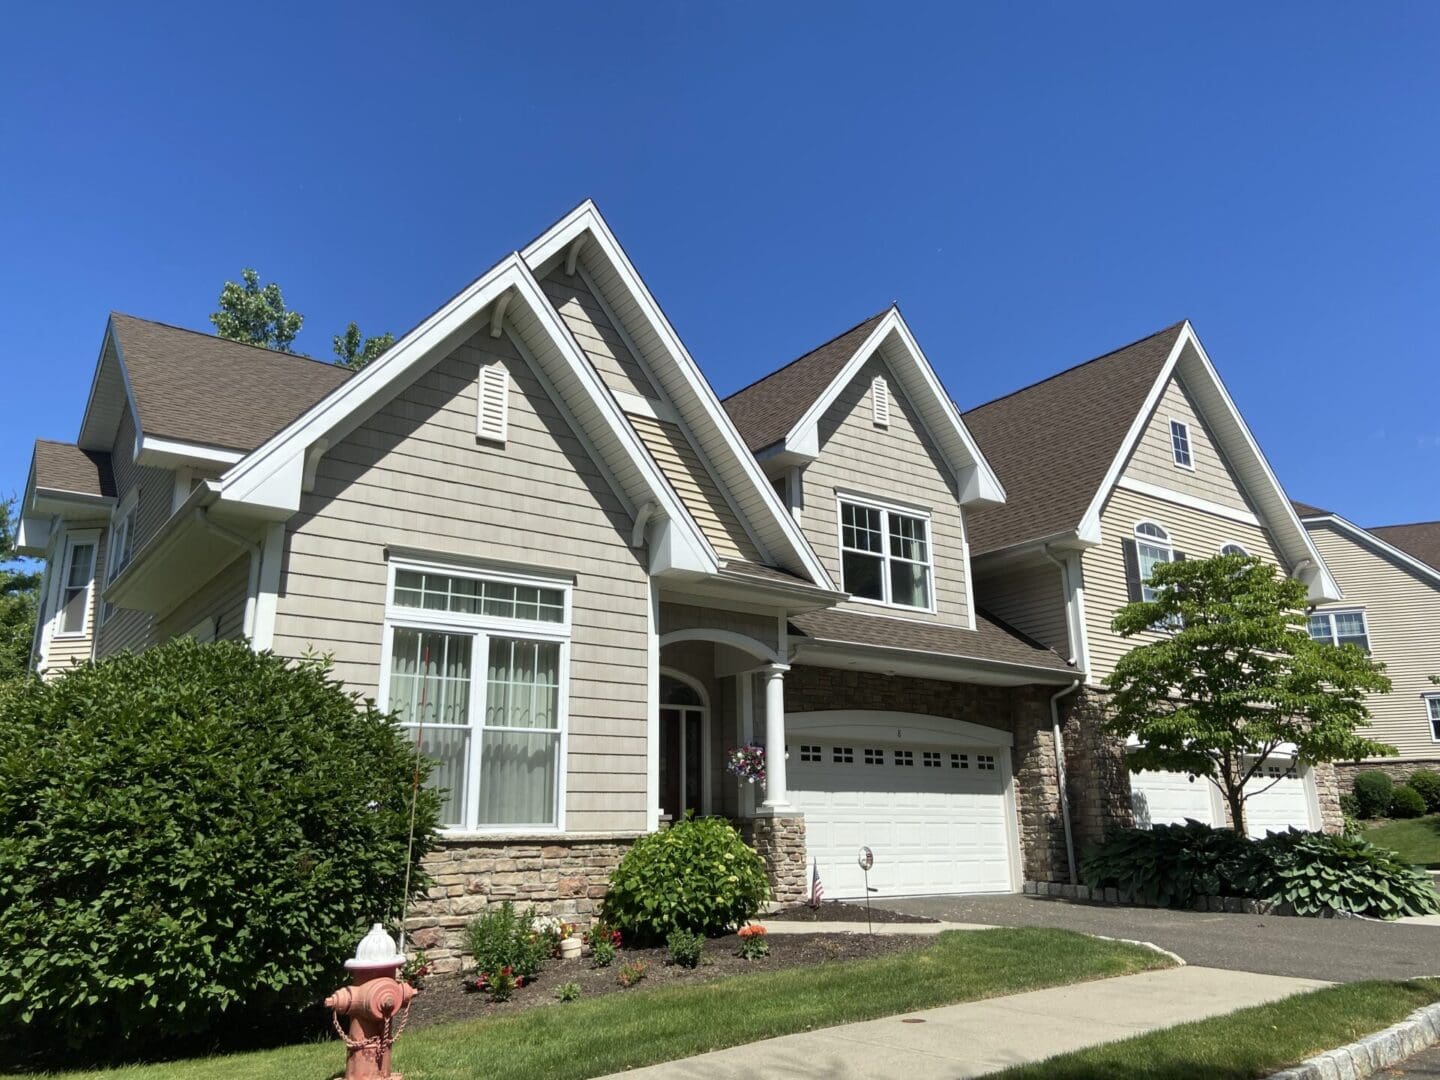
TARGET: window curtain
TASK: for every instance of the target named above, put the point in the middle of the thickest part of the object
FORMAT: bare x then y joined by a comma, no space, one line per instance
430,686
520,749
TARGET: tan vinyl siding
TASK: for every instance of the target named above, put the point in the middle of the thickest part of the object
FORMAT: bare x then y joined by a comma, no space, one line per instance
1031,598
1402,617
762,628
414,476
1195,533
597,336
156,493
899,463
696,487
222,598
1153,460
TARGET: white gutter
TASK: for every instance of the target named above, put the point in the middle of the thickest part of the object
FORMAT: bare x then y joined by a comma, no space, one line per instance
252,588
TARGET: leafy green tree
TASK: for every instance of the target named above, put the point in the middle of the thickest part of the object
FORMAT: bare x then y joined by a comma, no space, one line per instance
256,314
1234,675
354,353
19,600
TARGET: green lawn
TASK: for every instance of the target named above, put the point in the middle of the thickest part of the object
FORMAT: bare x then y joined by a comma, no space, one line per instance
640,1027
1248,1043
1416,839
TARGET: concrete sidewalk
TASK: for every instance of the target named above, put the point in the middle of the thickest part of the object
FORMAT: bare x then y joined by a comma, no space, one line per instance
983,1036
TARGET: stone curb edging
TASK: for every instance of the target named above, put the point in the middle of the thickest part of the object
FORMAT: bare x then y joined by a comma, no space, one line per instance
1229,905
1418,1031
1179,960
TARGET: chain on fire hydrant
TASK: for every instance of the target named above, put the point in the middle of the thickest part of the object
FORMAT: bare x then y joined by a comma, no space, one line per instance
378,1004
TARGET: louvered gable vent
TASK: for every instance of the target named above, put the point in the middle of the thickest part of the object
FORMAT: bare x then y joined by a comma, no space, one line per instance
494,404
880,401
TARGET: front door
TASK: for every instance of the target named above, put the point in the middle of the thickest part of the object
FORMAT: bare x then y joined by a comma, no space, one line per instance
682,748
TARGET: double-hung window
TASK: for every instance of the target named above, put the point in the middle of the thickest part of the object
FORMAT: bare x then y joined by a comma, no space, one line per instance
476,670
885,554
1180,444
1152,547
77,575
119,550
1340,628
1432,709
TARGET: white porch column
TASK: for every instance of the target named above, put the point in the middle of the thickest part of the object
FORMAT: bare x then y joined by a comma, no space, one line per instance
777,794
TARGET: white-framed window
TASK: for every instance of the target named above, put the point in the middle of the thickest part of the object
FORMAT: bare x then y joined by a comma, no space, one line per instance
1180,444
1233,548
1432,711
77,579
1152,547
1340,628
885,554
120,547
476,666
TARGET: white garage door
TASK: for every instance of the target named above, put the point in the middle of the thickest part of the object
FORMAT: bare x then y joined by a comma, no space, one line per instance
1275,800
935,816
1170,798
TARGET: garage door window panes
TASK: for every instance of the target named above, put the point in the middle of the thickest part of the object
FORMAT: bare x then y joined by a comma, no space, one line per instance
885,555
905,758
959,761
476,672
985,762
1340,628
843,755
874,757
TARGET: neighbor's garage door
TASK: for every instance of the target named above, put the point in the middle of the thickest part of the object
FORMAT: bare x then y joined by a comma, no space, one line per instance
1170,798
1275,800
936,817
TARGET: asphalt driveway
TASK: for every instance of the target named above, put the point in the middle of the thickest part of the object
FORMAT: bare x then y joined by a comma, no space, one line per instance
1336,950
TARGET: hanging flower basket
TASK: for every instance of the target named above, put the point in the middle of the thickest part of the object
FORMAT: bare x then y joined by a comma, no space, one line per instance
747,762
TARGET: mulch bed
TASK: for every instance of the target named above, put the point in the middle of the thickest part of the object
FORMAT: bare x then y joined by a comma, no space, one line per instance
443,999
835,911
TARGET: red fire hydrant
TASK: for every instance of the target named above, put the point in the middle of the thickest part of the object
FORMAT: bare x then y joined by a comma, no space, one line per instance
373,1004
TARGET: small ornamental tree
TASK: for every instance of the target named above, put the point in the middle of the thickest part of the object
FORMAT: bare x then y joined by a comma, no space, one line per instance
1233,675
256,314
190,833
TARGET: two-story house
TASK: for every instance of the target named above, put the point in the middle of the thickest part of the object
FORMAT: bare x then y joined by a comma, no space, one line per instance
532,531
1390,575
1135,458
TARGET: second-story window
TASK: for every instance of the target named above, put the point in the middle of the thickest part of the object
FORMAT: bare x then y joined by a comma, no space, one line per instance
1152,546
1340,628
1180,444
1432,706
885,554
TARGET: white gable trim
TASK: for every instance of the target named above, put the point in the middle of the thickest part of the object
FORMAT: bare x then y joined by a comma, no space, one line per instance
1377,544
977,481
272,476
1180,498
1240,449
780,535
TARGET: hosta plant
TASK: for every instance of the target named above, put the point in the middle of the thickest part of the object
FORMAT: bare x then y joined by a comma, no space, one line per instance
1313,872
1167,866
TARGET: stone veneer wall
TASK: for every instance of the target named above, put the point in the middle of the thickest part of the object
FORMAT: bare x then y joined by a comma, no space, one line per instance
780,841
1327,790
563,875
1399,771
1024,711
1097,776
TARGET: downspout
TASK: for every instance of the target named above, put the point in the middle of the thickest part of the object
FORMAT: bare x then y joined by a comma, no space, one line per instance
1070,629
252,588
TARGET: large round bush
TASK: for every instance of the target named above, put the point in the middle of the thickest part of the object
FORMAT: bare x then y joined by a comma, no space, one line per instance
1406,802
190,830
1373,792
698,875
1427,783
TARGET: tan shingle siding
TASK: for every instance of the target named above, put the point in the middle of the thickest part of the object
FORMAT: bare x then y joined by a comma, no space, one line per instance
898,462
597,336
413,475
1402,615
1153,461
1029,598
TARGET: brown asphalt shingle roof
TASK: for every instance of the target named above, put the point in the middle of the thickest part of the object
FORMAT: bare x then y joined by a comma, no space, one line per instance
1422,540
1051,443
65,467
765,411
1305,510
203,389
991,639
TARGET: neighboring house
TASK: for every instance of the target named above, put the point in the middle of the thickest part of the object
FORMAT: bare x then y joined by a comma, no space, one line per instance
532,531
1390,576
1132,459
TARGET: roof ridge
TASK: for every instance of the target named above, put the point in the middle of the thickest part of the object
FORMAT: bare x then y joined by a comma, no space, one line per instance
1074,367
230,341
1402,525
809,352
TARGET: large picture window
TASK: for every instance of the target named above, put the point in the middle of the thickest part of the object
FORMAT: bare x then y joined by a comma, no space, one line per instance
885,554
476,671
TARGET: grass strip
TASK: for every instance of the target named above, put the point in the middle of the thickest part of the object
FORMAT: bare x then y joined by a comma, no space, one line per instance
641,1027
1247,1043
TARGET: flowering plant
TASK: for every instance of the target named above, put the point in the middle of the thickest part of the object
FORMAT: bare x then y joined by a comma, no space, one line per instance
499,986
747,762
754,943
630,974
553,931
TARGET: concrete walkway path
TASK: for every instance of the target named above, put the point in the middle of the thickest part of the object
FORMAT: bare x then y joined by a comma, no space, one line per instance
980,1037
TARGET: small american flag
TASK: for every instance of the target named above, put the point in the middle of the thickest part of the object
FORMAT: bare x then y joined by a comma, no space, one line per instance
817,890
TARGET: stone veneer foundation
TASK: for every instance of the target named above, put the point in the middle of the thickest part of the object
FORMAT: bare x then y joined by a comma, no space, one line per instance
1399,771
564,876
780,842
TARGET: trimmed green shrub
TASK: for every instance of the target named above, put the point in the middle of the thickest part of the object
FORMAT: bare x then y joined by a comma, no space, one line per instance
1312,872
1427,783
501,939
1167,866
1407,803
190,830
697,875
685,948
1373,792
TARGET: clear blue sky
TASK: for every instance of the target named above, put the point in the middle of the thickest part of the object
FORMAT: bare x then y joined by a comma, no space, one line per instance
1035,187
